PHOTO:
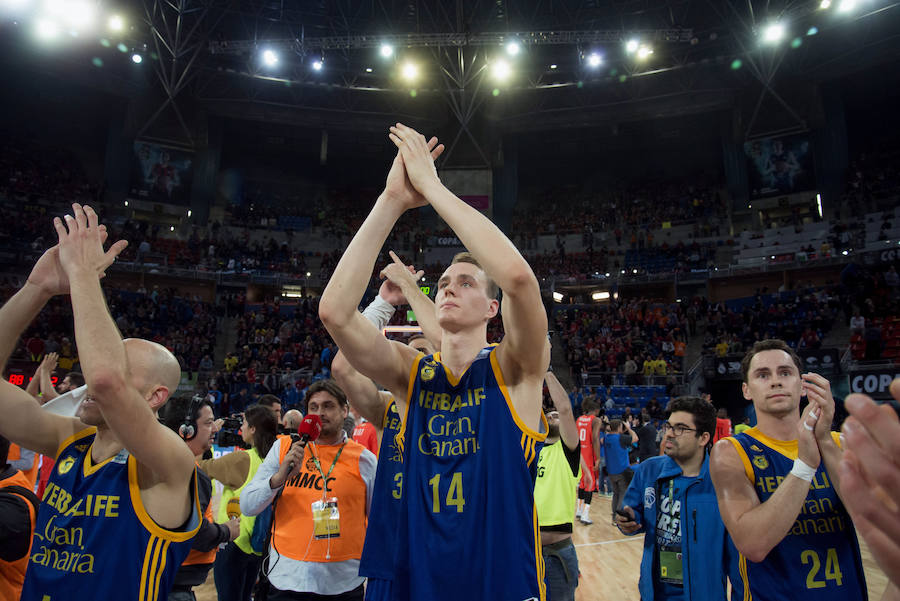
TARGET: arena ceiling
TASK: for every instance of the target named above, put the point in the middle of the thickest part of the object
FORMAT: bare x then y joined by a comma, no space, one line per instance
257,60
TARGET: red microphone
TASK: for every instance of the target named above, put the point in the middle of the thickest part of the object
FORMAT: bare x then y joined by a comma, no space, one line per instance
309,429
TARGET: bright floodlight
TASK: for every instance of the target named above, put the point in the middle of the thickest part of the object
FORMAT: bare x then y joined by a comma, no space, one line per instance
594,60
644,52
116,23
773,33
77,14
270,58
631,46
409,71
825,4
553,66
512,48
386,50
558,297
46,30
137,58
501,70
846,6
317,65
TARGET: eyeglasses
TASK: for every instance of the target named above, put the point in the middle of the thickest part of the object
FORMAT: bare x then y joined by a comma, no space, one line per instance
678,429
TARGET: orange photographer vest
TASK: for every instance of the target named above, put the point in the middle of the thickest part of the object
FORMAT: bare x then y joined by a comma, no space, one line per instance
293,520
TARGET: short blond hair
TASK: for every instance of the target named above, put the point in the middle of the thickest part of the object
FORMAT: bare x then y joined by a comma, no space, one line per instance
492,290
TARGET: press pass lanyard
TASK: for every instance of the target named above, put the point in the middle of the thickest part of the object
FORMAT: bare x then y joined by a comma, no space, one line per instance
333,463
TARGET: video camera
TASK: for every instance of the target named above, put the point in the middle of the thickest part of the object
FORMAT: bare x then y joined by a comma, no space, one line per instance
229,434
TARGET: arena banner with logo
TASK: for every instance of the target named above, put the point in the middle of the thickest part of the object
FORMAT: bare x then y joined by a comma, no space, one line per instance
873,382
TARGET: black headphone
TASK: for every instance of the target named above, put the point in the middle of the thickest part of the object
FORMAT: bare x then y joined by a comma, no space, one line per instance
188,429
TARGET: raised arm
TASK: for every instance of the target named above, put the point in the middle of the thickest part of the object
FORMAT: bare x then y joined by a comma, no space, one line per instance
818,391
48,392
24,423
568,431
524,353
363,345
108,372
756,528
406,280
360,390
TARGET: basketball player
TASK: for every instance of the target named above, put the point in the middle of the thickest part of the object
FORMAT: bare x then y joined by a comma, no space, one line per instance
472,419
377,562
778,490
121,506
589,427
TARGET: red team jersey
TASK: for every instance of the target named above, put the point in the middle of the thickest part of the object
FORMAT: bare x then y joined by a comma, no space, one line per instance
587,445
366,435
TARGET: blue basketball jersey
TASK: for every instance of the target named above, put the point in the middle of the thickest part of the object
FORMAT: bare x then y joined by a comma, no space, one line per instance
93,538
819,558
469,527
378,551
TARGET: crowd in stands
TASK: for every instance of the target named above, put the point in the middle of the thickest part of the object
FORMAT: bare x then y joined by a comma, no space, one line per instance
626,211
187,327
637,337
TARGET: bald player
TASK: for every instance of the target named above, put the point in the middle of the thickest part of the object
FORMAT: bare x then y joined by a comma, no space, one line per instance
121,505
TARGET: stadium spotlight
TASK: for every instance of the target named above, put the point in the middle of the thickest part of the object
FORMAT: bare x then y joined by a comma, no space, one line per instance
76,14
512,48
773,33
409,71
594,60
136,58
46,30
819,204
644,52
631,46
386,51
270,58
825,4
116,23
598,296
500,69
553,66
558,297
368,69
318,64
846,6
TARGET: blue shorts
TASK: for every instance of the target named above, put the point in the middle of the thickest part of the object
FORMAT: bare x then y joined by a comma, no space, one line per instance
379,589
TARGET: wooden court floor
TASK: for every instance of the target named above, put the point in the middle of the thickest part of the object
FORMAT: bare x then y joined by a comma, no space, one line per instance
610,562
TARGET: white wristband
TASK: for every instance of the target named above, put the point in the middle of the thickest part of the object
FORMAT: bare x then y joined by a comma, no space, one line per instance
803,471
379,312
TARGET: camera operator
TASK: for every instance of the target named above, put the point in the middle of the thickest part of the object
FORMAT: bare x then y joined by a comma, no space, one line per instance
237,564
193,420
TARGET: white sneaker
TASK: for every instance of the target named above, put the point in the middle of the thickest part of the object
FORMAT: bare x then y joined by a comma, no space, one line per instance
586,520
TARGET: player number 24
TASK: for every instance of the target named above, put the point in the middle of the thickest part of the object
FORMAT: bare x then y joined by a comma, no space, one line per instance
454,493
832,569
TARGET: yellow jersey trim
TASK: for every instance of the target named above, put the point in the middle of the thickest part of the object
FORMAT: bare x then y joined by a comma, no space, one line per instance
88,466
745,577
77,436
413,372
151,526
748,469
539,555
788,448
495,365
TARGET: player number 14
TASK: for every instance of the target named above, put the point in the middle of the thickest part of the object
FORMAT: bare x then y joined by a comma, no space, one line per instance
454,493
832,568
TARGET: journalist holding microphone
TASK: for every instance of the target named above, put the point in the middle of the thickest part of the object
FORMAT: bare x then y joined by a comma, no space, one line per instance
321,492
